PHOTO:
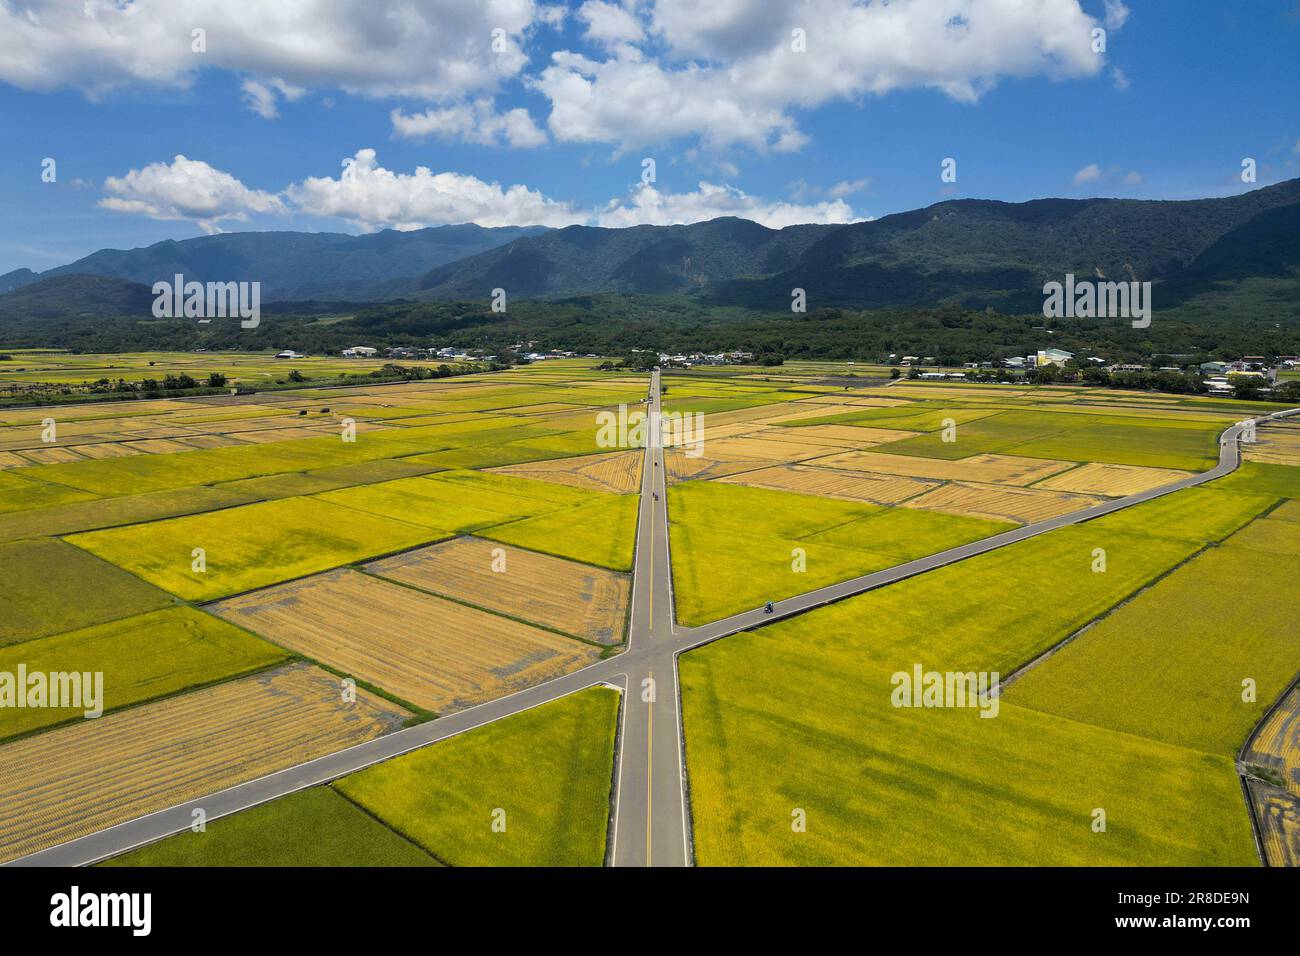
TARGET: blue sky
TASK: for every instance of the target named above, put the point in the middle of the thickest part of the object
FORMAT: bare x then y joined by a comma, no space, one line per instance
552,125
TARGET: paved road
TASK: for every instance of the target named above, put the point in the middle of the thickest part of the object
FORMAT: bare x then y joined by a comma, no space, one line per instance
650,826
650,805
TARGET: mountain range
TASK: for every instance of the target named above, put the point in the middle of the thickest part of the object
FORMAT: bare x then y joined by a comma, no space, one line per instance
966,252
293,265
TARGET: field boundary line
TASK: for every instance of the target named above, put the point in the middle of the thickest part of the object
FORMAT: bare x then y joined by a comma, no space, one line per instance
486,610
1017,672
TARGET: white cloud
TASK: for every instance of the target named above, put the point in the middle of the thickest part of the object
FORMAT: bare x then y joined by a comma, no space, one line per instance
476,122
371,197
648,205
187,189
848,187
1134,178
1116,14
729,73
610,24
1089,174
261,96
1119,79
635,102
430,49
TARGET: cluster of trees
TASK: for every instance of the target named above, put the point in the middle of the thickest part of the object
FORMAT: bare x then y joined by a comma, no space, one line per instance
152,387
615,324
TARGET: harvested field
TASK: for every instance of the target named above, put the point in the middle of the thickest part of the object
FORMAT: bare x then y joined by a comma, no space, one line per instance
842,436
1000,502
48,456
684,467
1274,446
108,449
618,472
853,400
999,469
143,657
797,411
878,489
763,449
1278,813
571,597
160,446
1114,481
435,653
75,780
1276,745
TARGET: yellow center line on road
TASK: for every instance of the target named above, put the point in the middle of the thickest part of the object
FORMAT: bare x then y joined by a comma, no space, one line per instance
651,595
649,768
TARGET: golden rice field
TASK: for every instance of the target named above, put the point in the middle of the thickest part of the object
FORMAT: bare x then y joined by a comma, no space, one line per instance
436,654
1278,815
1000,502
1274,445
798,411
83,777
762,449
1286,511
251,546
1000,469
684,466
98,530
617,472
844,436
568,596
850,486
1112,481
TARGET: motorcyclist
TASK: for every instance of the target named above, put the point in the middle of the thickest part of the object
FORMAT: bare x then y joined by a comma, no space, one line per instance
768,608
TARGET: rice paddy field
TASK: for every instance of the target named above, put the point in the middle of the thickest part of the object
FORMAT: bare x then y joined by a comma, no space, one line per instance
192,549
228,561
83,777
318,827
530,790
434,653
543,776
577,599
1127,689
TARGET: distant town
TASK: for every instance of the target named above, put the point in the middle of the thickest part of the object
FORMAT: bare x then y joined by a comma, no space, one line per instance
1250,376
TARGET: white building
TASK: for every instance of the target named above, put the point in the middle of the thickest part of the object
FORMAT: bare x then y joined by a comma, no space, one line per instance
1057,357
